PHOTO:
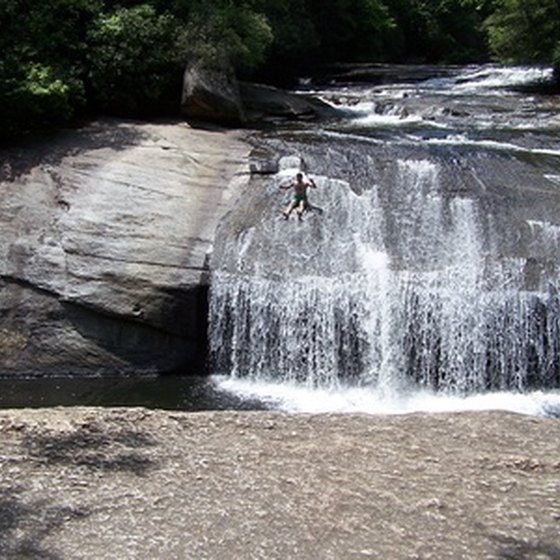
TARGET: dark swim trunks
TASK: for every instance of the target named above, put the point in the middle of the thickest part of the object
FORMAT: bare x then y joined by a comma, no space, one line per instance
297,199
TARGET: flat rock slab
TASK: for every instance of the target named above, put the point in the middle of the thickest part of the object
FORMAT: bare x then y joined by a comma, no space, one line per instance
133,483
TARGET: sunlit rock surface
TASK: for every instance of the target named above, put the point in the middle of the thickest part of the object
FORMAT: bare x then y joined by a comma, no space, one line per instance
104,237
132,483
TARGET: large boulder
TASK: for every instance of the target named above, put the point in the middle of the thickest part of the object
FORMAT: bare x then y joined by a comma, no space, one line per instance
104,238
263,102
211,95
215,95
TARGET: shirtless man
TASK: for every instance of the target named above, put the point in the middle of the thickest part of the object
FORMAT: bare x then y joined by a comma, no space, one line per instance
299,199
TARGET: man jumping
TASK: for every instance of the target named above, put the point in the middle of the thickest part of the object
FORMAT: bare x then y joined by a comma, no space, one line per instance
299,200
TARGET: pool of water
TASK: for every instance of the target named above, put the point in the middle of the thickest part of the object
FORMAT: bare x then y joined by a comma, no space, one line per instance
173,392
199,393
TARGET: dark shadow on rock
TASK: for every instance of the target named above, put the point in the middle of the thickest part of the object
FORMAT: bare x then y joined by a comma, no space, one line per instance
169,337
315,210
512,548
186,313
210,126
24,526
95,449
51,149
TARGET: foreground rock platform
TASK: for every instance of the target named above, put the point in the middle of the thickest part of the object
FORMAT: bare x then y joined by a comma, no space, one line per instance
135,483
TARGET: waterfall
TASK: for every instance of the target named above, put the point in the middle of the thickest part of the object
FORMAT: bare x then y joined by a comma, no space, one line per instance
429,262
386,290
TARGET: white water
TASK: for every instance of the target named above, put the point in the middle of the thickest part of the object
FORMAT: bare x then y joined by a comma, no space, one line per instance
294,398
458,102
492,77
396,291
464,140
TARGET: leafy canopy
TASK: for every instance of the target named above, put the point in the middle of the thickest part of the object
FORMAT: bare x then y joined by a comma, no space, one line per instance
62,57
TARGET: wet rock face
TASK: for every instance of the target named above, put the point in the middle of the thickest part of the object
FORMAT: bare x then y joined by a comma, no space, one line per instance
432,254
265,103
105,233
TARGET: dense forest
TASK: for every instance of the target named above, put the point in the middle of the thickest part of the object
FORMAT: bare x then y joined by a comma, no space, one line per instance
63,58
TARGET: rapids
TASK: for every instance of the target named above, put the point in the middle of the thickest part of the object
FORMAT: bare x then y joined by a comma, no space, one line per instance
426,275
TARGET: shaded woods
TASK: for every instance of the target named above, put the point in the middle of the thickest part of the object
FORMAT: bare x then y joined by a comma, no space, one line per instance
65,58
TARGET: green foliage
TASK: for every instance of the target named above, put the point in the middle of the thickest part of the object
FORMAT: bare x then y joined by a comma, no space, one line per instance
224,34
132,58
59,57
444,31
524,31
41,49
40,96
294,33
49,92
352,29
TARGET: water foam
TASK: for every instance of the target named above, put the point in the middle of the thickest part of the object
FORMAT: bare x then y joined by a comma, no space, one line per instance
492,77
403,302
296,398
464,140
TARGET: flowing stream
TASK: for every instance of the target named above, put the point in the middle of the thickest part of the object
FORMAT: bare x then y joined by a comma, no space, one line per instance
426,276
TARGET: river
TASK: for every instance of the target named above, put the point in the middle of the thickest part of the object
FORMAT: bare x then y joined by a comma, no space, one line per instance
426,276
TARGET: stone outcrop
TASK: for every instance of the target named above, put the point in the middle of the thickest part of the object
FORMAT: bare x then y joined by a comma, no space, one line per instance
214,95
131,483
211,95
264,103
104,238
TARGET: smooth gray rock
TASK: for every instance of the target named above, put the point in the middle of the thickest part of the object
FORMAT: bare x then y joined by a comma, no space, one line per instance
215,95
263,102
211,95
104,237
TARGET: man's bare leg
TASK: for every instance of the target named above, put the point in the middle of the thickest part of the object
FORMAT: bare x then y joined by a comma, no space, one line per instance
288,210
301,209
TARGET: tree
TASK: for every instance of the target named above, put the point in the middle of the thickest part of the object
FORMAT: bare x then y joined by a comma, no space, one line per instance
42,49
226,33
133,59
352,30
525,31
441,31
292,41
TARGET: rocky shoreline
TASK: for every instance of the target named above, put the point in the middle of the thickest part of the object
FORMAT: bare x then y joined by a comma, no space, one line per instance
85,483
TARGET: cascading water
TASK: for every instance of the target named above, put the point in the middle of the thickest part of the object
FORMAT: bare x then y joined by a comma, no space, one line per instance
421,267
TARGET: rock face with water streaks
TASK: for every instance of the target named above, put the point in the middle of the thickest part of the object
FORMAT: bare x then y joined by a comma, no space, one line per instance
129,484
104,237
431,255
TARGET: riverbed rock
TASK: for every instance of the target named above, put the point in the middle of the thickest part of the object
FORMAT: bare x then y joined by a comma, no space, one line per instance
380,73
212,95
104,237
264,102
133,483
215,95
